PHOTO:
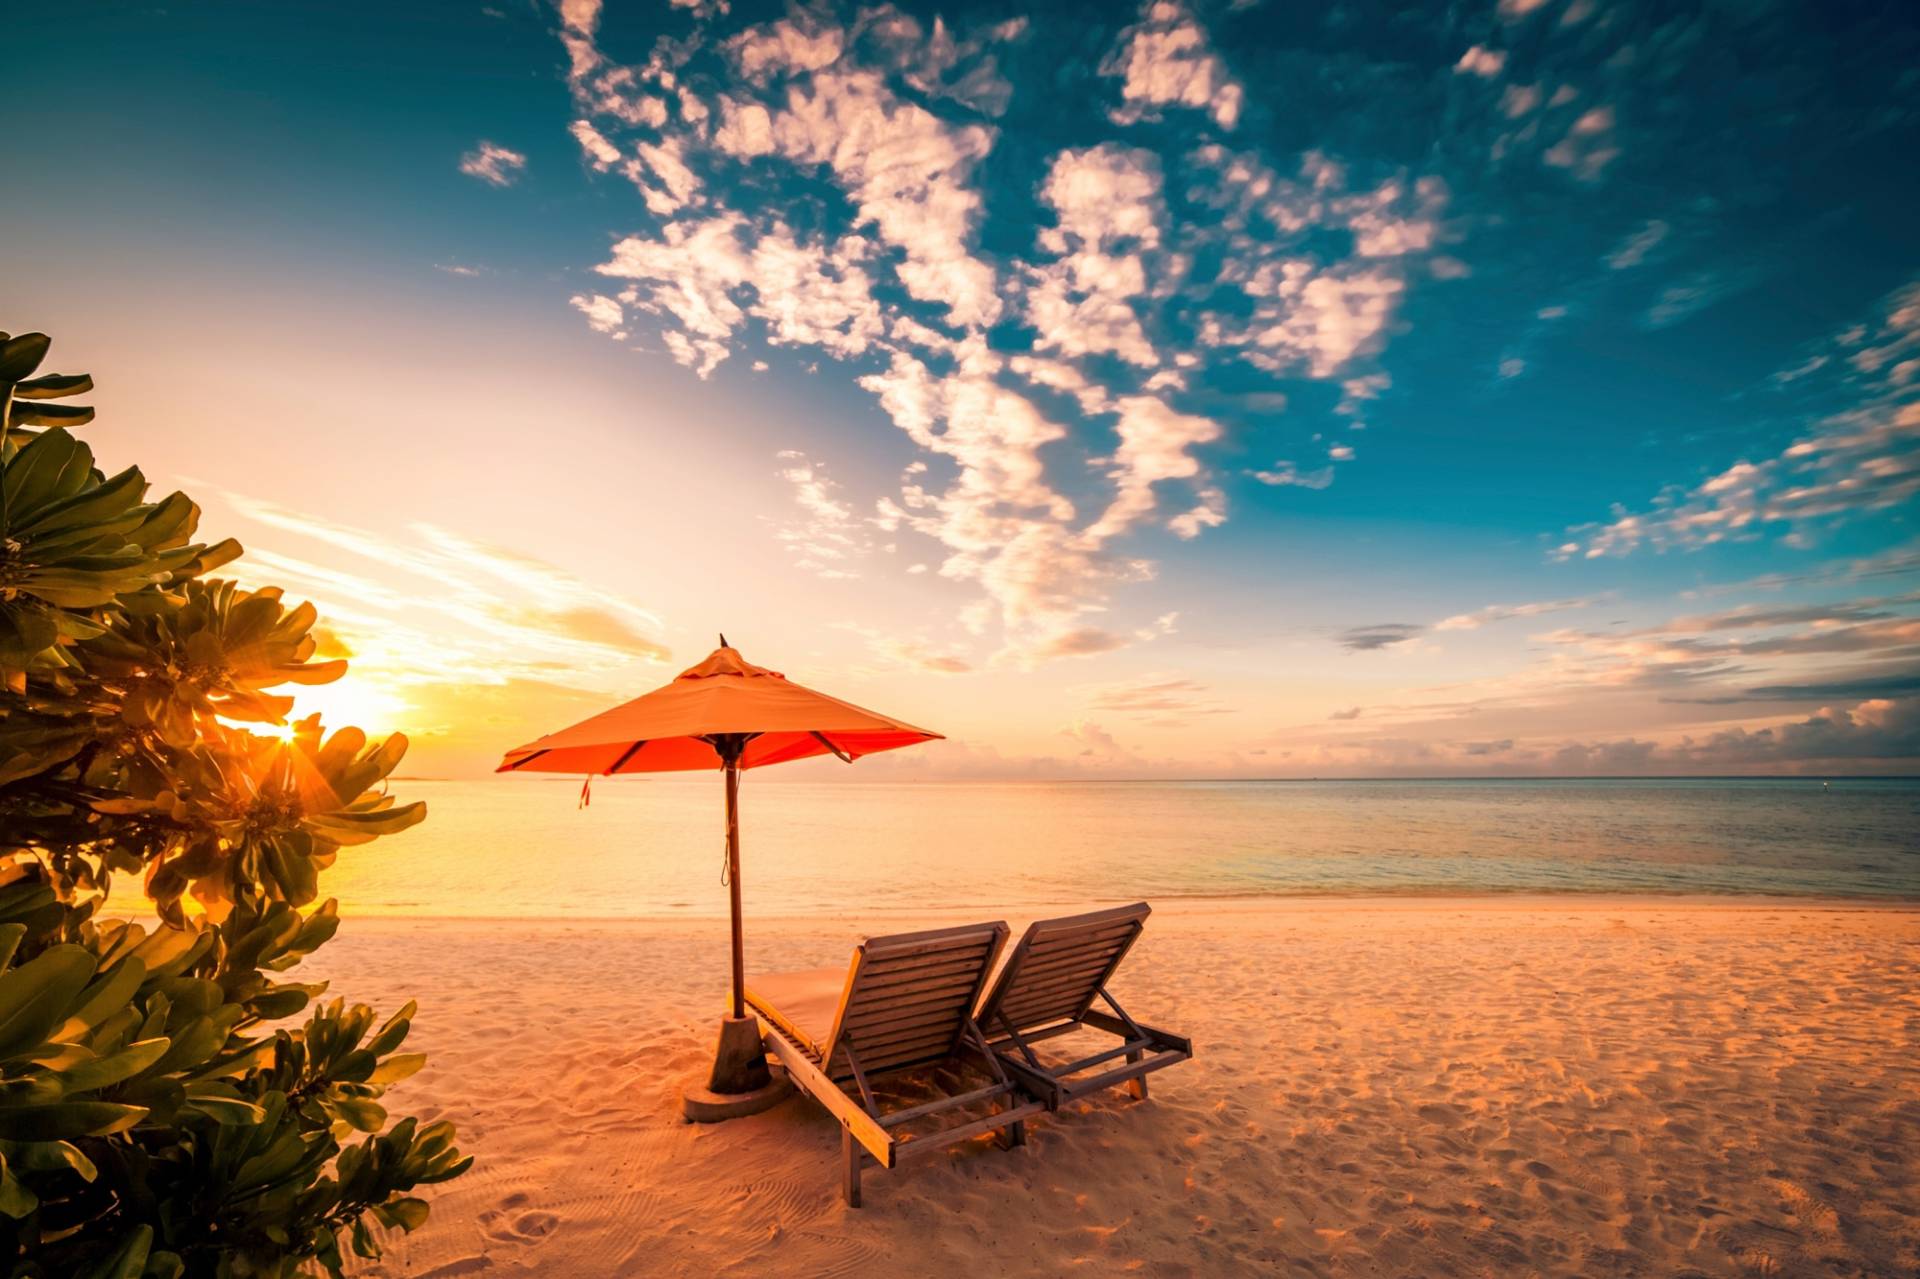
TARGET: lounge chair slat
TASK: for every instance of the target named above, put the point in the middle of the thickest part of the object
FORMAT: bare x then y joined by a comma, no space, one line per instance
1032,969
907,1001
901,1006
880,1038
881,978
932,961
906,945
1047,987
1091,937
1075,988
1048,953
870,1029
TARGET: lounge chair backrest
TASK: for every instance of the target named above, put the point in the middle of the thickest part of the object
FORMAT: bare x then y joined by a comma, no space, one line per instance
909,997
1059,966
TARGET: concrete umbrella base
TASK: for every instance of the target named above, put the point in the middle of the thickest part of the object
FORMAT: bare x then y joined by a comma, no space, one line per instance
741,1083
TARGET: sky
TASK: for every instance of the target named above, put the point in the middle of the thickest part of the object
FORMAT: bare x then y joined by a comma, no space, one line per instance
1194,390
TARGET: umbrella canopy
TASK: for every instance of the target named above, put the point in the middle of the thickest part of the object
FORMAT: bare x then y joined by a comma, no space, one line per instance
729,714
678,727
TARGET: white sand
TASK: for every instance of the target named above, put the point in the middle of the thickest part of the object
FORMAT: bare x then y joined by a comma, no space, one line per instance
1436,1088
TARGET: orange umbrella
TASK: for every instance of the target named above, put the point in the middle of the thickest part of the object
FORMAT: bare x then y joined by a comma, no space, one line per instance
725,713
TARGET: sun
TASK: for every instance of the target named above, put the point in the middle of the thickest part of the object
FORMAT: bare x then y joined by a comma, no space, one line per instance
361,703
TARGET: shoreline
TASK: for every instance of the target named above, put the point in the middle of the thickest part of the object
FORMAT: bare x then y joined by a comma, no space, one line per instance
1186,907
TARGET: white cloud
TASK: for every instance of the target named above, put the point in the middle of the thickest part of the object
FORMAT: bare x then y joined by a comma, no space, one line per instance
791,46
1081,303
746,129
807,293
829,540
1286,473
909,173
1506,612
1859,462
1155,446
1588,146
1633,250
893,275
1514,10
1695,293
601,153
603,314
1481,61
493,164
942,65
1167,60
1519,99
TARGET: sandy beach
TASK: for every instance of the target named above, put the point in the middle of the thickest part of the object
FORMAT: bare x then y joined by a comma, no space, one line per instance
1413,1087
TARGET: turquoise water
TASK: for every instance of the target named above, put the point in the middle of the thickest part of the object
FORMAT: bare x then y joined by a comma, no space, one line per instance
652,846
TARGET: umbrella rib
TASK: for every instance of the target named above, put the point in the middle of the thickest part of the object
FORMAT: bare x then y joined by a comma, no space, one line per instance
519,763
822,737
630,752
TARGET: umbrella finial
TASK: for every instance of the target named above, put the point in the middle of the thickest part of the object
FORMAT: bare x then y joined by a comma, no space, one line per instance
723,640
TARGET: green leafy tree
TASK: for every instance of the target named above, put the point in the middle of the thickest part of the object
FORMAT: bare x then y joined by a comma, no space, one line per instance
159,1114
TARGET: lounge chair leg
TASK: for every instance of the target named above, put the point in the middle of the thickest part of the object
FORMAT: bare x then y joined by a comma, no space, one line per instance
850,1156
1016,1134
1137,1085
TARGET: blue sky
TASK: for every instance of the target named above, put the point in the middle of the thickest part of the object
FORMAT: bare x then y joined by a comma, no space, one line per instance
1128,390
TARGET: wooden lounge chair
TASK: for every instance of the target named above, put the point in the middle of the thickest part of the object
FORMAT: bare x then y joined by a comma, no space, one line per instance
1047,988
904,1001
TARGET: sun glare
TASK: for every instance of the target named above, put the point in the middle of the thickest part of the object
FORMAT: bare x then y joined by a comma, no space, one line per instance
355,702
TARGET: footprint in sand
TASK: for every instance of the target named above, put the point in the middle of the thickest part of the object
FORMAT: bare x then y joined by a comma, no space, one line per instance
513,1222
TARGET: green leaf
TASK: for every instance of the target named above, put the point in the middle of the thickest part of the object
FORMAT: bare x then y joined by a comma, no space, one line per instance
397,1067
66,1119
361,1113
408,1213
106,996
51,386
227,1110
115,1068
128,1260
35,997
21,355
16,1200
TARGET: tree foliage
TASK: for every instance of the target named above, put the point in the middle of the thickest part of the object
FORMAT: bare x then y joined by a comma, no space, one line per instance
159,1116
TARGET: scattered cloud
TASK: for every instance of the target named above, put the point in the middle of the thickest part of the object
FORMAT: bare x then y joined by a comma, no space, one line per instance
1506,612
1367,639
822,190
1853,463
1515,10
1167,60
493,164
1285,473
828,540
603,313
1481,61
1635,249
1084,641
1162,701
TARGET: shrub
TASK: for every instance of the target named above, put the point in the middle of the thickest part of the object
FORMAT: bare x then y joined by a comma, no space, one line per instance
157,1118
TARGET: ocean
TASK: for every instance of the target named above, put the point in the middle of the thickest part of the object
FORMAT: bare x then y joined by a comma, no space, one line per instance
652,846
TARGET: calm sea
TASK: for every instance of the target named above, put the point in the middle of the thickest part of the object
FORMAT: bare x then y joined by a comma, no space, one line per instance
653,846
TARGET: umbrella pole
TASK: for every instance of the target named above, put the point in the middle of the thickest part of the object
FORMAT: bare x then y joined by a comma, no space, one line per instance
733,883
740,1083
